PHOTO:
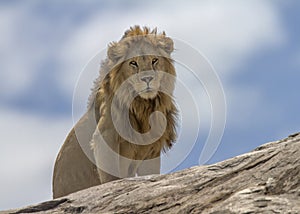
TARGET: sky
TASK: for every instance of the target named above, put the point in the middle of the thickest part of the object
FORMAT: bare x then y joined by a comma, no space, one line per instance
253,46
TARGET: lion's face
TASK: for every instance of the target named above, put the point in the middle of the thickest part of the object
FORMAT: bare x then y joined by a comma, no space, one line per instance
145,74
142,61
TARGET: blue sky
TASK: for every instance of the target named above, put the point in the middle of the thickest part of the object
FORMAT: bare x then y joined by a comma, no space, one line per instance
253,46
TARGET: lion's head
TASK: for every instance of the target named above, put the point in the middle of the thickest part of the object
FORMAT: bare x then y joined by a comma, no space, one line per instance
141,57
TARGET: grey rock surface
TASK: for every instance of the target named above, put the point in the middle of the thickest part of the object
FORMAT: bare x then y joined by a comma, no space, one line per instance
266,180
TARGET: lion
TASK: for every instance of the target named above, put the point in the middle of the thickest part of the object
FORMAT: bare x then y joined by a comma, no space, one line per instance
136,81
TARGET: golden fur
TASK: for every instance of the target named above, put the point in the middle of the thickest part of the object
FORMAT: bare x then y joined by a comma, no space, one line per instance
137,59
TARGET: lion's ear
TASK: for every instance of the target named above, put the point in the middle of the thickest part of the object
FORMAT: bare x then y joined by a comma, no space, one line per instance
167,44
115,52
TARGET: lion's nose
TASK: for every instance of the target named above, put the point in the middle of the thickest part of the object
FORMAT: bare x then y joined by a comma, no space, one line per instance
147,79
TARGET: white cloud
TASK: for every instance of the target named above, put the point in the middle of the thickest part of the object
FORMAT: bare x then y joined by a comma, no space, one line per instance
13,78
22,48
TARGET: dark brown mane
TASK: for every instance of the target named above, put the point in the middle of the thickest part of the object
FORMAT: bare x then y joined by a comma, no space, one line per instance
140,109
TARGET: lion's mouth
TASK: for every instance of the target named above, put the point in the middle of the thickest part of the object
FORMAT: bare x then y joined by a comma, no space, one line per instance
148,89
148,93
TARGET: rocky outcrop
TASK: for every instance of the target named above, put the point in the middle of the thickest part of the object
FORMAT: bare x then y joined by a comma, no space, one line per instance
266,180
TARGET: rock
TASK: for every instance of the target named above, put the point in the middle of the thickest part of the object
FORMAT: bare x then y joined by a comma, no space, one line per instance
266,180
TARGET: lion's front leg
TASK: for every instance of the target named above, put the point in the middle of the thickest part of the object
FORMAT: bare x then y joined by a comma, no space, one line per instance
106,150
128,164
149,166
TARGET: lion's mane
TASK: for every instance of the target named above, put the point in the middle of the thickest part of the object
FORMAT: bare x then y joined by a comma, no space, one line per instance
111,77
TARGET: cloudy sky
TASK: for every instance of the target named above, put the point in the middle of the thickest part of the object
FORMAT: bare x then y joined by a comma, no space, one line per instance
253,46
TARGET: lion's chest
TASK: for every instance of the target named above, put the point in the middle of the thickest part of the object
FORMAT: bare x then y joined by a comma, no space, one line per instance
140,152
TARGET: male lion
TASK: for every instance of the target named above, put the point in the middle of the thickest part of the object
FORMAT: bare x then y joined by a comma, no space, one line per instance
122,134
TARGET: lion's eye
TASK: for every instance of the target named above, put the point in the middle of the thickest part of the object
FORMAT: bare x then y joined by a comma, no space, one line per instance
154,61
133,63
